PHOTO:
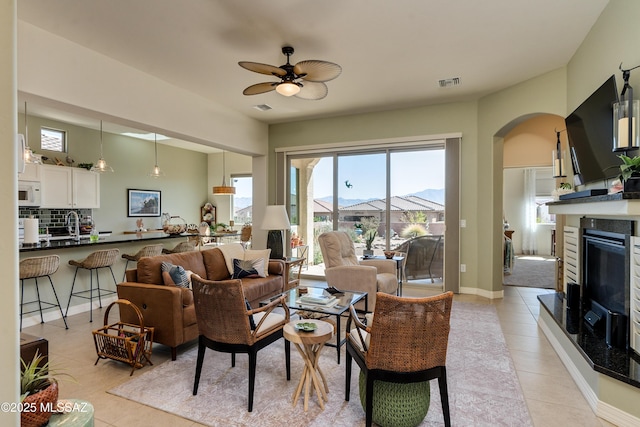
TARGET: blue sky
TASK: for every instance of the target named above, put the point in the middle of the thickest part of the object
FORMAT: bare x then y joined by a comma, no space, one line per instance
411,172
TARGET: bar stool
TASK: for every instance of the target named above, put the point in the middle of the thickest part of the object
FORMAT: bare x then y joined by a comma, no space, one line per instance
33,268
181,247
96,260
147,251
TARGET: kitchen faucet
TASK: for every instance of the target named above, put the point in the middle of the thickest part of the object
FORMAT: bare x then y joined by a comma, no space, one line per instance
76,233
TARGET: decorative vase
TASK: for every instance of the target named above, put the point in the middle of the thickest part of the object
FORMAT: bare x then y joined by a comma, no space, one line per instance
42,403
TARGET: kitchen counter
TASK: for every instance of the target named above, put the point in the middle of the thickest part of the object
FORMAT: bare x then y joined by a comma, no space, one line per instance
84,242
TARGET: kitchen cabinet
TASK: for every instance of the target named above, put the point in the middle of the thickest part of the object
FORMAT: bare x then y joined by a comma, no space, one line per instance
69,188
31,173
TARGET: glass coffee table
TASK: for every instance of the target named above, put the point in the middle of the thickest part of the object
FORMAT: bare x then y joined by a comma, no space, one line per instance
341,306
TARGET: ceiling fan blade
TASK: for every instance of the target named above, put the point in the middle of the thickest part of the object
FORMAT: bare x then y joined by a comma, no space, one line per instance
312,91
267,69
259,88
317,71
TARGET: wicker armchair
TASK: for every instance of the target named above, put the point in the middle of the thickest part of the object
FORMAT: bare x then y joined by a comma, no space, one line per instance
225,325
405,343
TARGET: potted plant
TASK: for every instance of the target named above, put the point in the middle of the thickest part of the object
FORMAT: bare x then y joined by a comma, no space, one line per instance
38,392
564,188
369,237
630,173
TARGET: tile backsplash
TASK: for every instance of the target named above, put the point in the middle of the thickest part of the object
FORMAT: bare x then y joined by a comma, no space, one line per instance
51,217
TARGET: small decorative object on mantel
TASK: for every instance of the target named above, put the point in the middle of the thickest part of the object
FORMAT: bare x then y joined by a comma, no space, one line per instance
565,188
630,173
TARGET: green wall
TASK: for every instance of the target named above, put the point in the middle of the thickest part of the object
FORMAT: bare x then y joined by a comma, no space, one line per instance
184,188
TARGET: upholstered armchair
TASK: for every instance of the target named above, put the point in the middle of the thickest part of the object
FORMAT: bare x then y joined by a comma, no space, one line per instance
344,271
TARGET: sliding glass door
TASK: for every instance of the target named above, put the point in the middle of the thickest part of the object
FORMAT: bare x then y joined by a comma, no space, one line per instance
384,199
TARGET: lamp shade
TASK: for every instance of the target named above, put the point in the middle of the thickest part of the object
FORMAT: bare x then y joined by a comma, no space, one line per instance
276,218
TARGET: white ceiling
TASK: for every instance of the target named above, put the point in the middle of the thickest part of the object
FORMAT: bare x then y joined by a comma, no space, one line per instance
393,53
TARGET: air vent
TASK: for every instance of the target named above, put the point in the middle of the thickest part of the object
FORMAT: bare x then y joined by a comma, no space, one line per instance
263,107
444,83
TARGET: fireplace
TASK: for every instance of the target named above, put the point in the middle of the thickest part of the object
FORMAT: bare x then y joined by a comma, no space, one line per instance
605,276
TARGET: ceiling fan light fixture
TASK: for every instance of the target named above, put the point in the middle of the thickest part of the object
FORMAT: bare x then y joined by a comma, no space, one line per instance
287,88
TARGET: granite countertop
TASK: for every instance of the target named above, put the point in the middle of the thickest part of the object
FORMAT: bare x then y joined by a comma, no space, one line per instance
613,362
114,238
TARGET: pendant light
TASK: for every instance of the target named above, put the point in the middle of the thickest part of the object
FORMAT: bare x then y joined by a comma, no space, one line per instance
224,189
156,172
101,165
28,153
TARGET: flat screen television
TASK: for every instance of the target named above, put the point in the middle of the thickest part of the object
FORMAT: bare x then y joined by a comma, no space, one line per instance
590,134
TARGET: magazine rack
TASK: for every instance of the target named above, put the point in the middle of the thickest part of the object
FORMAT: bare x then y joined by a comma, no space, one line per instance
122,341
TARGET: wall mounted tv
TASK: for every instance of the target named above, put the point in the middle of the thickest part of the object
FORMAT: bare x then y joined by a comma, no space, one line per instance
590,134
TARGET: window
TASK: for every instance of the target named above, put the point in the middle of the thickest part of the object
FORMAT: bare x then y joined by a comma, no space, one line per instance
53,140
242,200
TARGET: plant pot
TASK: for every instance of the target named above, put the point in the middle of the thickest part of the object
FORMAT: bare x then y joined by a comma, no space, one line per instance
367,252
632,185
38,404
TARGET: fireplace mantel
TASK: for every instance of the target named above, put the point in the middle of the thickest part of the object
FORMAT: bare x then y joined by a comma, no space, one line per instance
619,204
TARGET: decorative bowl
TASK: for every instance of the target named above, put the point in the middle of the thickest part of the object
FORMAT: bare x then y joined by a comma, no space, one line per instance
389,254
177,225
306,326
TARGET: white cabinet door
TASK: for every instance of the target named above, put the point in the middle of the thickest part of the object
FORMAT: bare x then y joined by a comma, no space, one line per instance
31,173
56,187
86,189
69,188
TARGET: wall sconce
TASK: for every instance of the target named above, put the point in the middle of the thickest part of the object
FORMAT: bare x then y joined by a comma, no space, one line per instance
557,158
626,116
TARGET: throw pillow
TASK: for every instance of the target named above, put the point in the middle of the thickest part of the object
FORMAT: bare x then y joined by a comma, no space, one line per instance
252,323
257,254
231,251
248,268
178,274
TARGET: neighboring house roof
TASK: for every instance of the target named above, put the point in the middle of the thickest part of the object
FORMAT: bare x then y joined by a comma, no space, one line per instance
398,203
320,206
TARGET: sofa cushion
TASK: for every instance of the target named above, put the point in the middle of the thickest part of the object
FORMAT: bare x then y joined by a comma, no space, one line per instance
261,288
150,268
215,265
189,315
249,268
251,254
230,252
177,274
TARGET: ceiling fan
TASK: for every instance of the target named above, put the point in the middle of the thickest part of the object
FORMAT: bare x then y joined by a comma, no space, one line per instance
304,80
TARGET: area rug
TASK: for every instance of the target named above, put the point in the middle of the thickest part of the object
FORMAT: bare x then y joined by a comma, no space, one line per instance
532,272
483,386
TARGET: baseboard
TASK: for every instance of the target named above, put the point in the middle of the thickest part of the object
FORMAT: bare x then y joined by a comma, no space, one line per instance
603,410
54,314
482,292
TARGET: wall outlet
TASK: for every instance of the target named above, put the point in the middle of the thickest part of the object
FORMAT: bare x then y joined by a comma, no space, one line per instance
463,268
463,223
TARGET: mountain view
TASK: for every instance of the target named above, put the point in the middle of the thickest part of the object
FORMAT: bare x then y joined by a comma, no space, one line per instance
434,195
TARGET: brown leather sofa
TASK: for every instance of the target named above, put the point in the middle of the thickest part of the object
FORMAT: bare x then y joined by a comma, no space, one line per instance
169,309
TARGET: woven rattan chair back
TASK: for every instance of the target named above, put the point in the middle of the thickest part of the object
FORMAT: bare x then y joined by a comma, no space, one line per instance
98,259
150,250
39,266
181,247
221,310
245,235
409,334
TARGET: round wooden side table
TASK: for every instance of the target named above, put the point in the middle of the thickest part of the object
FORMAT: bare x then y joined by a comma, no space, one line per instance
309,345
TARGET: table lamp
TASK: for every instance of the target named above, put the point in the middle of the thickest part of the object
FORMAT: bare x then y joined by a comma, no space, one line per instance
276,220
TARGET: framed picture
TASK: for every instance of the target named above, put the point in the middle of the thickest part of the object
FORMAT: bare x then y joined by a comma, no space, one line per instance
143,202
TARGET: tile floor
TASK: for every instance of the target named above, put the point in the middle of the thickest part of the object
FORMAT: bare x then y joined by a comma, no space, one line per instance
552,396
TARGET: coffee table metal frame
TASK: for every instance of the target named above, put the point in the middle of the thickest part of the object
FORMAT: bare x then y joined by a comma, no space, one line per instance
345,299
